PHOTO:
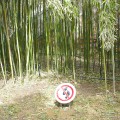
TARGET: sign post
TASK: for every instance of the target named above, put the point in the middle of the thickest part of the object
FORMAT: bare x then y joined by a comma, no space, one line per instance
65,93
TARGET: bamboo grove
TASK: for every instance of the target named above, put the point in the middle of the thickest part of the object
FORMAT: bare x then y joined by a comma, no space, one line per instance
65,36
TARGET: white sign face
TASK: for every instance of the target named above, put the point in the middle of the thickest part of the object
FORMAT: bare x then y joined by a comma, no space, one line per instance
65,93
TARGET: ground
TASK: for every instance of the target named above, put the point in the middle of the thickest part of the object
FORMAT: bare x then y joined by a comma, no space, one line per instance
33,99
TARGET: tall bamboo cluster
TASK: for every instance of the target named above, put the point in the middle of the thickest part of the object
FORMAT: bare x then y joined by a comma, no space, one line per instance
19,37
108,33
58,35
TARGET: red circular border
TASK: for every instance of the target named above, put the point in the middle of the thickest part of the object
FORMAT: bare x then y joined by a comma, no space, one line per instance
71,95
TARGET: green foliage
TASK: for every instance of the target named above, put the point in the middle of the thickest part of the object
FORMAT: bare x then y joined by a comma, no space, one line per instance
107,10
63,35
107,22
62,9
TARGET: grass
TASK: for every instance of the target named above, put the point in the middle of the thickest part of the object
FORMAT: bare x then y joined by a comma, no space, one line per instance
83,108
90,103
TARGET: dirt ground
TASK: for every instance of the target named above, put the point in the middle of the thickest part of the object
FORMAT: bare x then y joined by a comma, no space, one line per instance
34,99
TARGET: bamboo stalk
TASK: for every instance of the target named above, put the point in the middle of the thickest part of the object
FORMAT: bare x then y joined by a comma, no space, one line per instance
7,37
113,64
104,62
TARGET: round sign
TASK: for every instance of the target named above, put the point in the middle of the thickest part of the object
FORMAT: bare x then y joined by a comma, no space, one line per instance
65,93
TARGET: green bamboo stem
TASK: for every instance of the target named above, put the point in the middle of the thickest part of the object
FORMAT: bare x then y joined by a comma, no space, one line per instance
8,39
56,48
73,48
3,72
4,60
113,64
18,50
104,62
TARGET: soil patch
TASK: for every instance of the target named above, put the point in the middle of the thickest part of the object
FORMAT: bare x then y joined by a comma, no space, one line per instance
34,100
